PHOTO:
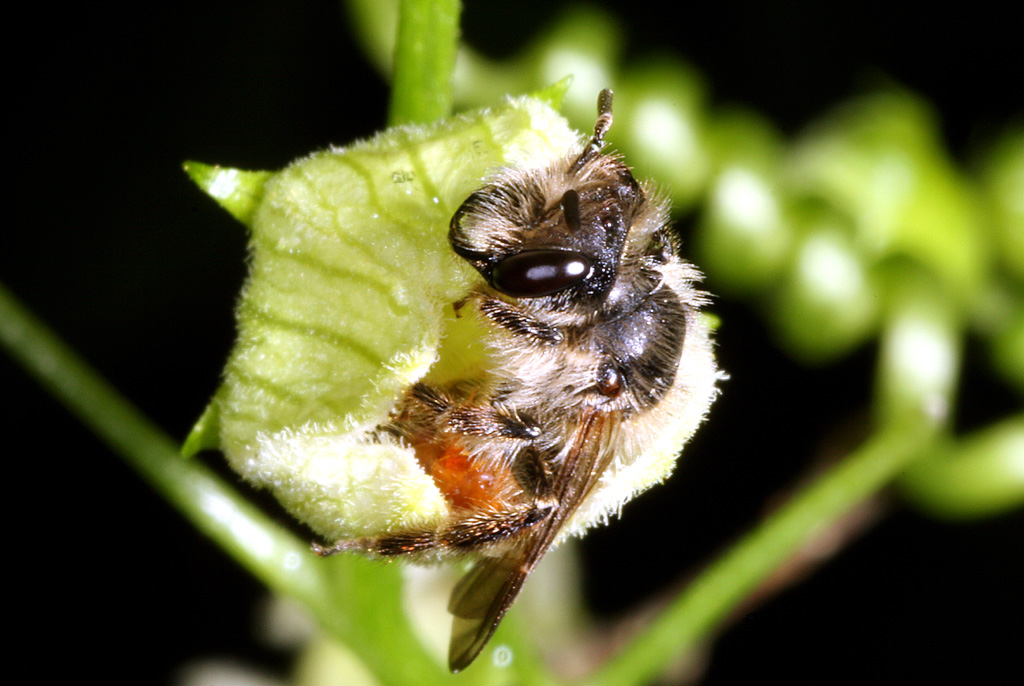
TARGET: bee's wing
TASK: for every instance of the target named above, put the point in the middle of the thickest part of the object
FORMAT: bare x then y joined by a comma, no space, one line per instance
480,600
482,597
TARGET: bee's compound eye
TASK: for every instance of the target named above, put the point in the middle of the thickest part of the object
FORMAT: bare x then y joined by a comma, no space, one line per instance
533,273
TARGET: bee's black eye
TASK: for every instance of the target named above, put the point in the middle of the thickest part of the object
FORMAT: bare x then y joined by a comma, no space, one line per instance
533,273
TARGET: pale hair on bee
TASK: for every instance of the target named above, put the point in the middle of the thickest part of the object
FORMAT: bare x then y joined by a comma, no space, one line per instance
602,369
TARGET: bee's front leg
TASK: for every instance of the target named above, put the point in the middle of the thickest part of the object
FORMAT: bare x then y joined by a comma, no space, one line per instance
512,317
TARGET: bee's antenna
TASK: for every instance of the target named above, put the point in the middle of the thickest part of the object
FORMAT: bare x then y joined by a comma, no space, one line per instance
601,126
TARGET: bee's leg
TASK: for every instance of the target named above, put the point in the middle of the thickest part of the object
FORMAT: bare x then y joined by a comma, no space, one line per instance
463,535
473,528
430,398
484,526
533,473
387,545
479,530
483,420
488,421
512,318
419,415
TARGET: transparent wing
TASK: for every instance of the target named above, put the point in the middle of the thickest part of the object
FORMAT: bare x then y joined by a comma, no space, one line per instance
482,597
479,601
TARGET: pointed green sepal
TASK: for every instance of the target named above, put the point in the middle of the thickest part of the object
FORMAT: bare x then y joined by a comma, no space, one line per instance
554,95
237,191
205,435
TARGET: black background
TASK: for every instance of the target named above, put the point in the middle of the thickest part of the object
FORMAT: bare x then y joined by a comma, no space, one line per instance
108,241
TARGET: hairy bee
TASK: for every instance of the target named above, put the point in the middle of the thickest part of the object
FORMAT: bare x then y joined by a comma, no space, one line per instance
598,349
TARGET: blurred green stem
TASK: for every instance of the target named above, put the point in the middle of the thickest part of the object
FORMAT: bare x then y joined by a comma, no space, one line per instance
267,550
709,599
428,33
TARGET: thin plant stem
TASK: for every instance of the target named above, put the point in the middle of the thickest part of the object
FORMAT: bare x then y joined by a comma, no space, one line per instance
329,588
729,580
428,34
264,548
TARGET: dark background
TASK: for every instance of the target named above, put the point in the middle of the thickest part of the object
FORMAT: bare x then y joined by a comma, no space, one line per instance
109,242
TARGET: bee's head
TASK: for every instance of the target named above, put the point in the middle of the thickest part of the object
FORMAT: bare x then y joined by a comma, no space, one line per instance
555,232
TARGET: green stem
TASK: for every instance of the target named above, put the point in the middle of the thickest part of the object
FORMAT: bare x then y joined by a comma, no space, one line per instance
342,593
428,34
261,546
733,577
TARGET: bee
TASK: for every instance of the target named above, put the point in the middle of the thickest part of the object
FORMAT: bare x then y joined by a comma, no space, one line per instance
598,345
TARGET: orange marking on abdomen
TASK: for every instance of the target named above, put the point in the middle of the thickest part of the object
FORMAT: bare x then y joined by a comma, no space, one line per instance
463,483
